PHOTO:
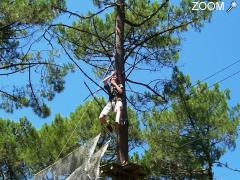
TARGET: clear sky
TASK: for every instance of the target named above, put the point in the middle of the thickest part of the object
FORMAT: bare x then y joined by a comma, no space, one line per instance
202,54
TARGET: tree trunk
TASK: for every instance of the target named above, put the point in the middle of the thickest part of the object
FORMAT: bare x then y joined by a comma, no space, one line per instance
122,147
210,172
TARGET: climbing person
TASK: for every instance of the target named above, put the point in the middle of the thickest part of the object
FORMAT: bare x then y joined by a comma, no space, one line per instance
115,90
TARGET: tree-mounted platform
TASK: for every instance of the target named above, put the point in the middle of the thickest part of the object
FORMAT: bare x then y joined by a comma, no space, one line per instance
130,171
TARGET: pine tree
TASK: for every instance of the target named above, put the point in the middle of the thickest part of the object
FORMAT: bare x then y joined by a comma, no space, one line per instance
23,25
132,35
189,138
19,142
129,35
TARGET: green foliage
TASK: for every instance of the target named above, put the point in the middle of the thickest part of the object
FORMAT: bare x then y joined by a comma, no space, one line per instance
25,150
29,12
190,137
152,39
183,141
21,22
18,142
85,120
151,32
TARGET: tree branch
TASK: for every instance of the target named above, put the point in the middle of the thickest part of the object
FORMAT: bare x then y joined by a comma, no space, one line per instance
100,41
148,87
83,31
32,91
145,40
99,104
27,64
84,73
84,17
226,166
147,19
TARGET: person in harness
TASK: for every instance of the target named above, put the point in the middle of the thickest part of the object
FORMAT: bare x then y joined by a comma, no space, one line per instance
115,91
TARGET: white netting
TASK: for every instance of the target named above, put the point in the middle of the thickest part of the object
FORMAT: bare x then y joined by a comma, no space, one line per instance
65,166
90,169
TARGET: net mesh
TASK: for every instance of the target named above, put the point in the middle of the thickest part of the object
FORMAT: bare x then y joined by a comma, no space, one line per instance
65,166
90,170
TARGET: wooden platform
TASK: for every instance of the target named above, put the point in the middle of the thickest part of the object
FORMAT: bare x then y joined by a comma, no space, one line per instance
129,171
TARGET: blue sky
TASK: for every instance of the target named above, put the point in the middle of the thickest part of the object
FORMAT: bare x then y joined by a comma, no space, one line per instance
202,54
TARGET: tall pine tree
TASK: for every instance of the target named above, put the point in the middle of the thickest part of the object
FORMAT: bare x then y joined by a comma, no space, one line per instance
189,138
130,35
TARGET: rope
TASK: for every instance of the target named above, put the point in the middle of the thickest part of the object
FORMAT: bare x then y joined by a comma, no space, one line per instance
75,127
80,119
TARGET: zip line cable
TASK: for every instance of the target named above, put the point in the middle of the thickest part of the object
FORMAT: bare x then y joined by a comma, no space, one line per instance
226,78
219,71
